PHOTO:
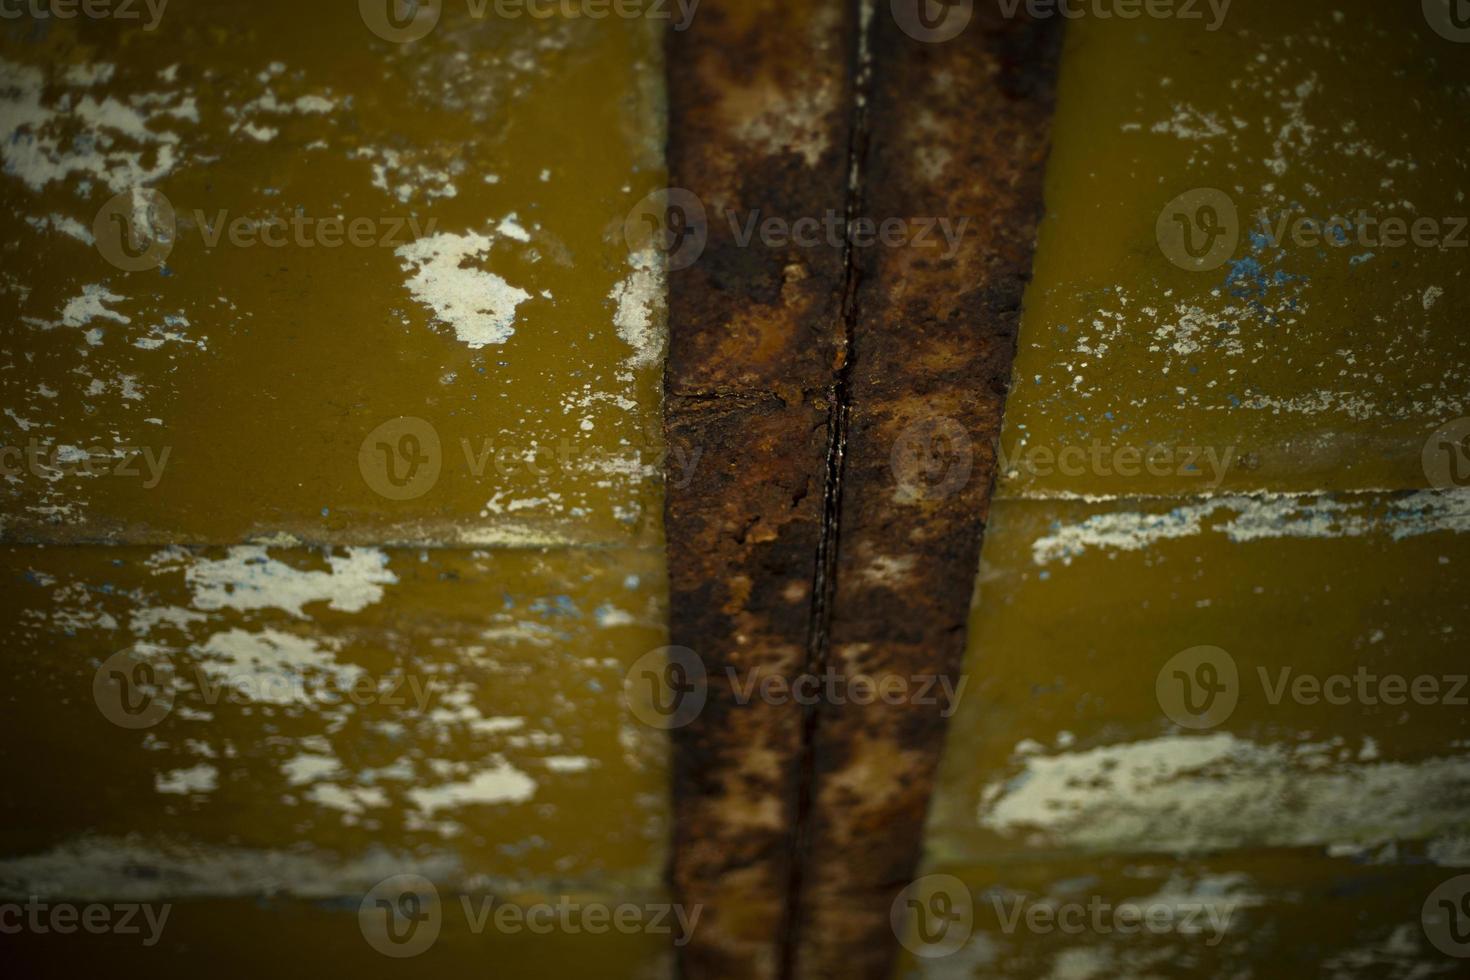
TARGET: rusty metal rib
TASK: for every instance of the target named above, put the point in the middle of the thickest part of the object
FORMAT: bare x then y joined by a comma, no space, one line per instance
811,542
759,97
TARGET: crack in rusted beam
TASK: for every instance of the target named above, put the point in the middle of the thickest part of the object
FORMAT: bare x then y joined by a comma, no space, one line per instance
759,93
824,584
799,549
958,129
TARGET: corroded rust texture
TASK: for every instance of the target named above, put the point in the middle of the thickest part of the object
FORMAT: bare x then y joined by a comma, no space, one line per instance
817,536
759,99
955,130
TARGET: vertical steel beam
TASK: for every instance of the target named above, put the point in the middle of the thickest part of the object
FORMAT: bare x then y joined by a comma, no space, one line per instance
824,535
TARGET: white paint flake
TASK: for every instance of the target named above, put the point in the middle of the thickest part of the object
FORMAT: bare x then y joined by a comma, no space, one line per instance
1243,519
477,303
248,578
1192,793
640,300
272,667
503,783
202,778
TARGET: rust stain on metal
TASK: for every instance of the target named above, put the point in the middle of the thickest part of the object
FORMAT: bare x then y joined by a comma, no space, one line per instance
955,130
759,99
824,535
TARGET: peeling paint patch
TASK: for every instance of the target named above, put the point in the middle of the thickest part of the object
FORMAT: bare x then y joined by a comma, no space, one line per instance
81,310
40,144
641,307
270,667
503,783
1243,518
111,869
478,304
248,578
1189,794
570,763
202,778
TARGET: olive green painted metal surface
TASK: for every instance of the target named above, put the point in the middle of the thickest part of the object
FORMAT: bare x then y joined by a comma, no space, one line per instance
347,231
332,484
1318,359
1215,671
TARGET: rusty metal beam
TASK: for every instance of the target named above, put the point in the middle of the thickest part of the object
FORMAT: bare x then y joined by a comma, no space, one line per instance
823,535
759,117
955,130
